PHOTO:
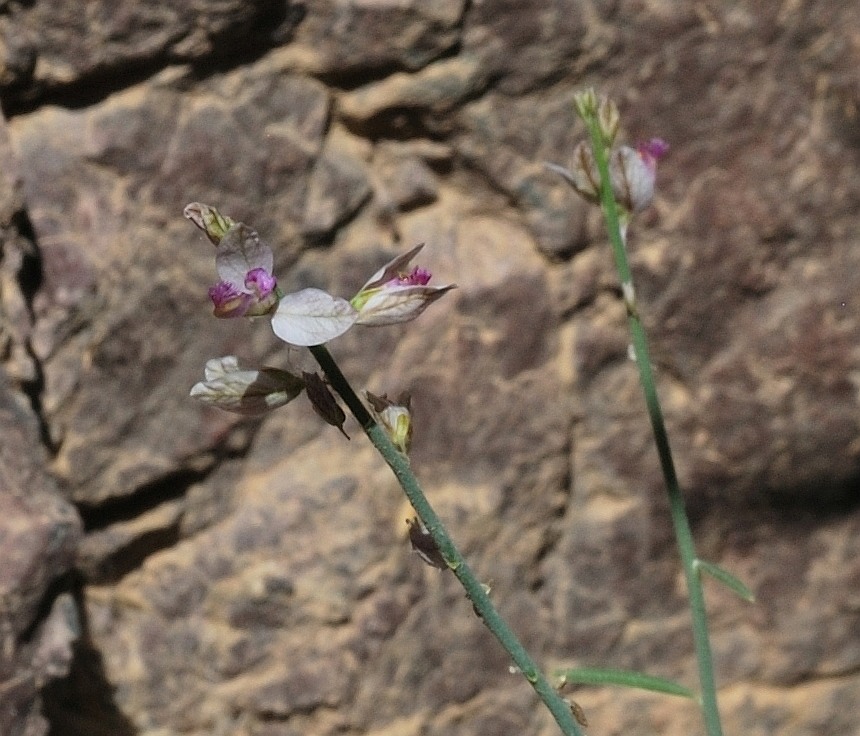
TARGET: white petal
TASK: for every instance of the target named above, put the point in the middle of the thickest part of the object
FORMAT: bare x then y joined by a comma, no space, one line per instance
240,251
396,304
633,179
312,317
220,367
247,392
392,269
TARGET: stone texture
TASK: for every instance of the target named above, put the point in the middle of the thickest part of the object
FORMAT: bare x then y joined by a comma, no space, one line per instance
522,50
350,42
252,577
39,531
38,622
55,48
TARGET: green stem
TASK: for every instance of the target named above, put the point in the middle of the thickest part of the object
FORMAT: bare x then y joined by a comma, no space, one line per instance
484,607
681,524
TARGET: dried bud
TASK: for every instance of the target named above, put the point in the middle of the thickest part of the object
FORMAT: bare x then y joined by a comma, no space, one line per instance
424,545
209,220
395,418
578,713
583,176
323,402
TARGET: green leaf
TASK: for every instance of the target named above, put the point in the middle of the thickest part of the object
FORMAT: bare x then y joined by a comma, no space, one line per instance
626,678
726,578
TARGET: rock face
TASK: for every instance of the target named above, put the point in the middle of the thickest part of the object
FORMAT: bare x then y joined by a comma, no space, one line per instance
39,619
170,569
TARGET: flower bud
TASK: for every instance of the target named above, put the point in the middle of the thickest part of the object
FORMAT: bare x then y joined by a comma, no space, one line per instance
586,103
608,119
209,220
633,173
247,392
395,418
591,107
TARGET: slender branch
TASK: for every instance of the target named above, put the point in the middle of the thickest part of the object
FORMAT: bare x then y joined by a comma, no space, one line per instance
484,607
681,524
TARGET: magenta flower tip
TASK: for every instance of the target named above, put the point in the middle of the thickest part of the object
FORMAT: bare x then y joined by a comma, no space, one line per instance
261,282
228,300
656,148
418,277
222,293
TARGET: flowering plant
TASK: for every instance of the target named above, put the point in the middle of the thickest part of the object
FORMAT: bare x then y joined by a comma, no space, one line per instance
309,318
619,178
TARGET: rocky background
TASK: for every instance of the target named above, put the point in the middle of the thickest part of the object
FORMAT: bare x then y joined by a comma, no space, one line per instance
170,569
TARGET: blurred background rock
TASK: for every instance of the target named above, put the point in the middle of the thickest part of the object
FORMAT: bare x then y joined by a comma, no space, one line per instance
169,569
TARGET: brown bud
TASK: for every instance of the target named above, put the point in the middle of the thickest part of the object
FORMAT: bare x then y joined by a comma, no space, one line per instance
424,544
323,402
578,713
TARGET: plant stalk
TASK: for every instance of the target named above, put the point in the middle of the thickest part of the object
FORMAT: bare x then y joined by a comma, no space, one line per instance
680,522
484,607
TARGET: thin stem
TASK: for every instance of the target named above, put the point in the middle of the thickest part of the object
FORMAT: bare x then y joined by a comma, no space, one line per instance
680,522
484,607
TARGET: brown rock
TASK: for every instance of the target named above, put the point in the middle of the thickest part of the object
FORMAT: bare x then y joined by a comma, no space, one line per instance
524,48
255,577
337,188
349,43
38,538
56,46
436,89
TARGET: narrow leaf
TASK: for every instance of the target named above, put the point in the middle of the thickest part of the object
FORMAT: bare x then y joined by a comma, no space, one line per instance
727,579
625,678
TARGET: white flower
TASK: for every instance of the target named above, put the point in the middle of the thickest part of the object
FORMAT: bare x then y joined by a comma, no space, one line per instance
392,296
632,172
246,392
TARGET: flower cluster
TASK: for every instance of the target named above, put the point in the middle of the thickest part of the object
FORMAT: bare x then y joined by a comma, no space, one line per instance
248,288
632,171
312,316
